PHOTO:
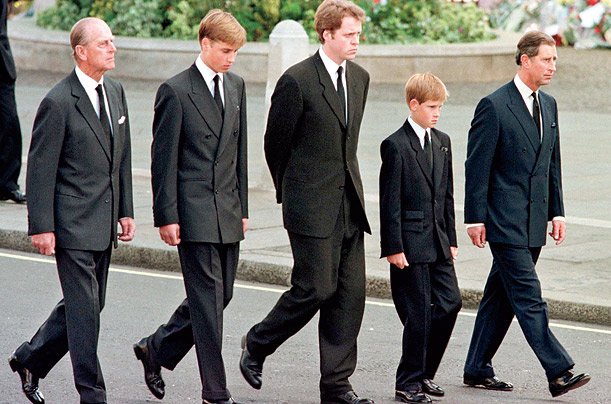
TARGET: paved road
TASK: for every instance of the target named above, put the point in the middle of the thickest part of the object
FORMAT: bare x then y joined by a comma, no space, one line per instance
138,301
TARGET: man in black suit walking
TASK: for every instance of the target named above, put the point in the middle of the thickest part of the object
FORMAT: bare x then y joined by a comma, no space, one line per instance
10,131
79,185
310,147
200,201
513,188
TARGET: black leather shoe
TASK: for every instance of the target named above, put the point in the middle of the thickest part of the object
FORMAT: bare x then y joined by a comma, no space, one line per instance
251,369
349,397
230,401
567,382
29,382
152,371
16,196
432,388
489,383
412,396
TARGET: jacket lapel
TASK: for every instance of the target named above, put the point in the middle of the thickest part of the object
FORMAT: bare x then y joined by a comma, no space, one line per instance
438,159
524,118
329,91
420,157
203,101
84,106
232,109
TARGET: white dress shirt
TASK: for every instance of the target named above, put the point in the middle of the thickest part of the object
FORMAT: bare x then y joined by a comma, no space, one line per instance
526,94
420,131
89,85
332,67
208,75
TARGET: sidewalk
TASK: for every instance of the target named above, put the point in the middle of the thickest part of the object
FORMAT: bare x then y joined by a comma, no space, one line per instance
576,276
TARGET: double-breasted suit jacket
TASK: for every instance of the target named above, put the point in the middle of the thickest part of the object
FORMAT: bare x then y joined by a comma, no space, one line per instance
310,151
199,169
79,181
418,208
513,180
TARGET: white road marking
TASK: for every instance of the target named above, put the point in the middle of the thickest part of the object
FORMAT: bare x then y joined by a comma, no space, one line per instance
278,289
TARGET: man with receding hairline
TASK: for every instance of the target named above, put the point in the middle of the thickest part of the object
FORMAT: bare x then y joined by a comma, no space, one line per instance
79,186
513,188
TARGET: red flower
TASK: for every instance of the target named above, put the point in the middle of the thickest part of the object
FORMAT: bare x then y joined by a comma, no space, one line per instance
597,29
376,1
558,39
592,2
362,38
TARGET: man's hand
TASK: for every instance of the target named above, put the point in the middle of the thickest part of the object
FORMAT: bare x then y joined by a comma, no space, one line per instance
44,242
170,234
454,252
128,229
558,231
244,224
477,234
399,260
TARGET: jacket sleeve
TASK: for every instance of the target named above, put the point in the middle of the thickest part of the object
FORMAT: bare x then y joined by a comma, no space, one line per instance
285,111
449,218
43,159
167,126
481,146
390,199
556,205
242,166
126,203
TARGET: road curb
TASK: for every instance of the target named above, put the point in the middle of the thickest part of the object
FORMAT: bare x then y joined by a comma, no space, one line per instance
270,273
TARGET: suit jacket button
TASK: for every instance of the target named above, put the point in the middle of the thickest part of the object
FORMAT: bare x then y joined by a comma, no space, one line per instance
106,201
544,200
341,187
523,149
216,191
216,163
532,201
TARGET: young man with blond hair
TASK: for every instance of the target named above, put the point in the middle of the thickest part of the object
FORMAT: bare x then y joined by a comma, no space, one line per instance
200,185
310,147
419,237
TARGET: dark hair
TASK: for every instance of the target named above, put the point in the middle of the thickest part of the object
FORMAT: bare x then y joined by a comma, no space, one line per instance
529,44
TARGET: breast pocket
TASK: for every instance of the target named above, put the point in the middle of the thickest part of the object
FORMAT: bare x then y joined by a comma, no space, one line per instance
413,220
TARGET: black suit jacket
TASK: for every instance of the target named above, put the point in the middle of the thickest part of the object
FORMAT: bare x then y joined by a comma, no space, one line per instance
7,64
513,182
416,209
199,167
310,151
78,184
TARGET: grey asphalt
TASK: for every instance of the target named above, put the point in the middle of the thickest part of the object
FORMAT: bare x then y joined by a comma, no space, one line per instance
138,301
575,276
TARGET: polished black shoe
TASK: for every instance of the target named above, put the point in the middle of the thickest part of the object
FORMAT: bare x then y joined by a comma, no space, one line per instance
152,371
432,388
567,382
16,196
230,401
412,396
29,382
489,383
251,369
349,397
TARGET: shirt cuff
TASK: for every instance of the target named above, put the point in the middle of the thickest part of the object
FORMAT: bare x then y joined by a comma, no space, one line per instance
559,218
469,225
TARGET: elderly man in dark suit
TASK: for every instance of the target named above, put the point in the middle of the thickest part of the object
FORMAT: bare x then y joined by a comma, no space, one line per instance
200,201
10,131
513,188
310,147
79,184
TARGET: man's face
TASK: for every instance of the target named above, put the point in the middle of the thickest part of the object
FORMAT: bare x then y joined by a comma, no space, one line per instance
425,114
344,42
218,55
98,55
540,68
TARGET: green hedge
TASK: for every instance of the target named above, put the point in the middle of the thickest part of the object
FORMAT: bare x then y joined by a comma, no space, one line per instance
390,21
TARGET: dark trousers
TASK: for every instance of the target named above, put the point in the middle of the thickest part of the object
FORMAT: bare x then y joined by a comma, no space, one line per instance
427,300
74,323
328,277
514,288
10,139
209,273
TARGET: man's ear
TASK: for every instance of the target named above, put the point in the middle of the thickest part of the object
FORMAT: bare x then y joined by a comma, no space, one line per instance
205,43
525,61
80,52
413,104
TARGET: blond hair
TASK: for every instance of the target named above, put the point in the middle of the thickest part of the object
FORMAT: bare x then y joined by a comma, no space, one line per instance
220,25
330,13
424,87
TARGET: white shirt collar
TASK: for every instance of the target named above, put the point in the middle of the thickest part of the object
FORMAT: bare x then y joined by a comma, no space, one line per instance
419,130
208,75
87,82
89,85
332,67
524,90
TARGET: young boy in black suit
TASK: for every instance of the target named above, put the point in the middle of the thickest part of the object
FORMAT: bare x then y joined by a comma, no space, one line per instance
418,237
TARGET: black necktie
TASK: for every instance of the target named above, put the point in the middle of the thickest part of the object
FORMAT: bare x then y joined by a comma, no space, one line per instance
536,114
217,95
340,90
428,150
103,115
